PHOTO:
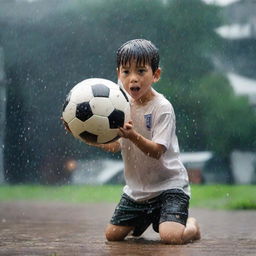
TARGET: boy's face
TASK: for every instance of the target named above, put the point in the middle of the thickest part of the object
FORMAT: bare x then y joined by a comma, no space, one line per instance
138,79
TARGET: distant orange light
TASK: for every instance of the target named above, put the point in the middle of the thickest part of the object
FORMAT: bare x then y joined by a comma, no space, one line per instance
71,165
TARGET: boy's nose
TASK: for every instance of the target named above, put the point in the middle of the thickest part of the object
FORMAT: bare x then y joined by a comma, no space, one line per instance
134,78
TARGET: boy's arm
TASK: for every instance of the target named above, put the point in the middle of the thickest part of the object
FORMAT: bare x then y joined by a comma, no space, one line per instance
147,146
112,147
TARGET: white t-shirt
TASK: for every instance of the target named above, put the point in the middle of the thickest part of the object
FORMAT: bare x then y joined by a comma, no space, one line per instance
145,176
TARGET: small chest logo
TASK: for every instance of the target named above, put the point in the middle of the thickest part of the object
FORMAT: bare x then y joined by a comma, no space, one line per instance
148,121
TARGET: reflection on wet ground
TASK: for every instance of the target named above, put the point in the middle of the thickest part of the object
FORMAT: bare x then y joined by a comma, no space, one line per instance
59,229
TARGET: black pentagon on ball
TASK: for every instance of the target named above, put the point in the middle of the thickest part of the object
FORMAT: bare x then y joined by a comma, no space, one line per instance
66,101
100,90
116,119
83,111
89,137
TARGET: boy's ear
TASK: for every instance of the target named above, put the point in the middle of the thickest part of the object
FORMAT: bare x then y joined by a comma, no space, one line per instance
157,75
117,72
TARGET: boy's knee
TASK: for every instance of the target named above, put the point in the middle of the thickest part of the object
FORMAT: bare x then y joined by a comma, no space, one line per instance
116,233
113,236
171,233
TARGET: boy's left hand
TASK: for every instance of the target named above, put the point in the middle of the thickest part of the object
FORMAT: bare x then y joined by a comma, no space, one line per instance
147,146
127,131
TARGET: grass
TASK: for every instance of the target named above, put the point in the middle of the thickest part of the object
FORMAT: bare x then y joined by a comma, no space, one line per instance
236,197
210,196
67,193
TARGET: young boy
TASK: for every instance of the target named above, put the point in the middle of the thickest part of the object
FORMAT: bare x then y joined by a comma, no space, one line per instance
157,188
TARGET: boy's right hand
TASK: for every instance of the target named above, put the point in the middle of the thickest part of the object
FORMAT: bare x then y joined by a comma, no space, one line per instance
65,125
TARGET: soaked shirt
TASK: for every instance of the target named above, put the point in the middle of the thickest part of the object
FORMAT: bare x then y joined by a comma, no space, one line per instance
145,176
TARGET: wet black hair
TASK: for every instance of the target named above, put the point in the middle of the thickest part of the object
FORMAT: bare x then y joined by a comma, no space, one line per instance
142,50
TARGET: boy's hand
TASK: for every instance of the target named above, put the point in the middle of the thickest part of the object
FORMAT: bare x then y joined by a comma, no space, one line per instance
147,146
91,143
65,125
127,131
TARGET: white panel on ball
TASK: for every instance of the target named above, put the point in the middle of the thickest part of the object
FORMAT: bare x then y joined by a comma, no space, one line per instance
97,125
101,106
118,100
81,93
76,126
107,136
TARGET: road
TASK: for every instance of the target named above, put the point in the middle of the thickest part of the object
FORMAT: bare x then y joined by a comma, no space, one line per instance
65,229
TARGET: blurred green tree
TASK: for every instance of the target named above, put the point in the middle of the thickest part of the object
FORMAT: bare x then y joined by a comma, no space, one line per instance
227,122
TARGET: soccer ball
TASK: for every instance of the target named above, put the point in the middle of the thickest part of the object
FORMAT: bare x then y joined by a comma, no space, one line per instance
94,110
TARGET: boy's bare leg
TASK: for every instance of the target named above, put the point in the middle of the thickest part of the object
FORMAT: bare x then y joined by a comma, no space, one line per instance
117,233
176,233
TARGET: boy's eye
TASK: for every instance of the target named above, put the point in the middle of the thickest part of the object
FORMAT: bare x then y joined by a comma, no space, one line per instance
141,71
126,72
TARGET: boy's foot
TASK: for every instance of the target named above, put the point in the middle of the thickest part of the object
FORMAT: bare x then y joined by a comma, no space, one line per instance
192,222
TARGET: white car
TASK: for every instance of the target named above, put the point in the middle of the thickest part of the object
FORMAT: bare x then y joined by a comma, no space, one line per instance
98,172
110,171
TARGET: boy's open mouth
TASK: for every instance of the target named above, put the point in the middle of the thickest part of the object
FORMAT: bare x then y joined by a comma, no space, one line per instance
135,89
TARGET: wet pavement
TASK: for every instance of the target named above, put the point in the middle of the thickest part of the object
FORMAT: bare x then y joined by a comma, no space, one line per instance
61,229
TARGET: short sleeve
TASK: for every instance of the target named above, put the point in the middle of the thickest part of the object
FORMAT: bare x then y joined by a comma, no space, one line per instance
164,127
